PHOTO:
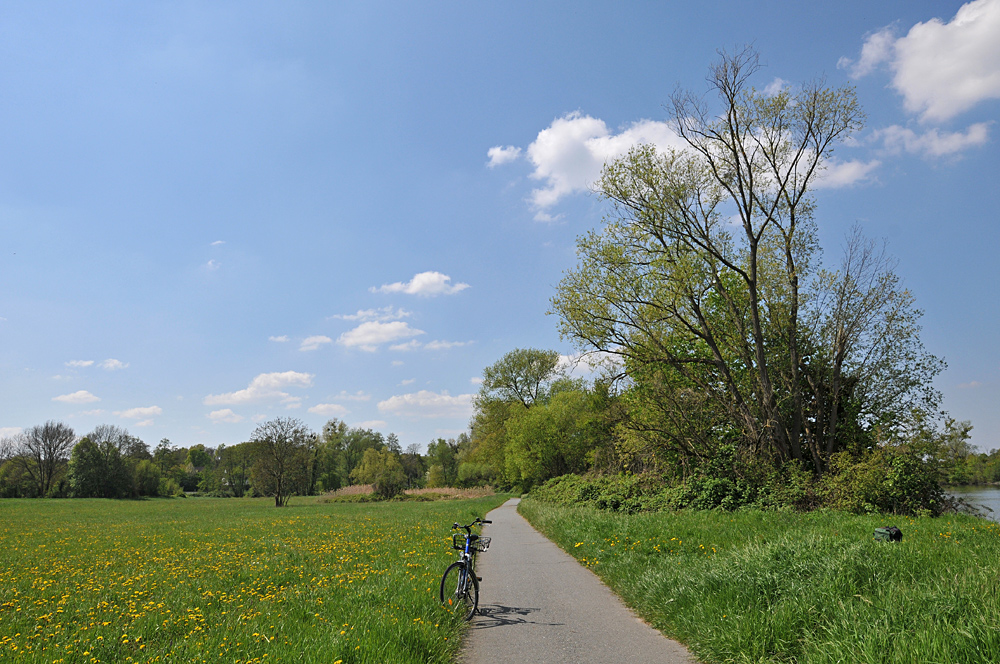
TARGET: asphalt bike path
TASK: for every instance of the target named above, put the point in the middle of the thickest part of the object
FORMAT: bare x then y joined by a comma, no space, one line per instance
538,604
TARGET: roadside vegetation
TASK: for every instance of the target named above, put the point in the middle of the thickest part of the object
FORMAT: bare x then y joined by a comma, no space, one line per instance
235,581
785,586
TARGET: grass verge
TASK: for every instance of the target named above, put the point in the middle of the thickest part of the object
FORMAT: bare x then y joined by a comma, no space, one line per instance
813,587
226,580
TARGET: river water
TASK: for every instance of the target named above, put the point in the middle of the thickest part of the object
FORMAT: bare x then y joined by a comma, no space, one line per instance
981,496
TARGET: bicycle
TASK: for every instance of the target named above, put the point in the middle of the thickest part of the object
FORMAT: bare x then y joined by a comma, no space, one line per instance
460,585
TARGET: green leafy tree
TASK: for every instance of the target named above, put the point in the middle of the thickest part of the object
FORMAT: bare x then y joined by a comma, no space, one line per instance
381,469
282,462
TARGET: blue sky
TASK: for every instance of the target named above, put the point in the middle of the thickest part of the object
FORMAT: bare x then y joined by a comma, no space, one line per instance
215,213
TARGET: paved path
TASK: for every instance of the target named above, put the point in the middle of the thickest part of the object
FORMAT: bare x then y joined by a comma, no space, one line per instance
537,604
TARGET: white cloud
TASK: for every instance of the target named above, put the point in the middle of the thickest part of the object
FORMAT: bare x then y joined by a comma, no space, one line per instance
569,154
476,380
212,264
81,396
356,396
91,413
218,242
225,415
413,344
371,424
445,345
836,174
266,386
112,364
312,343
369,336
398,363
259,417
144,423
408,381
10,432
501,155
427,404
424,284
139,413
384,314
79,363
281,340
775,87
327,409
941,69
876,50
932,143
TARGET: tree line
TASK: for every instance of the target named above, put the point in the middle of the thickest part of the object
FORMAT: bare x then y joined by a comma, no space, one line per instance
282,458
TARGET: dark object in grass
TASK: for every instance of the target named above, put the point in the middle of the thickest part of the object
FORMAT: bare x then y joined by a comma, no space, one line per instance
889,534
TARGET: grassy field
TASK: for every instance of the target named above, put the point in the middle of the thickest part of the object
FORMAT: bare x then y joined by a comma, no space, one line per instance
788,587
236,581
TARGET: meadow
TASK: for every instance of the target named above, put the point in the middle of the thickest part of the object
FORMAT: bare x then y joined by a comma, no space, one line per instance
226,580
754,586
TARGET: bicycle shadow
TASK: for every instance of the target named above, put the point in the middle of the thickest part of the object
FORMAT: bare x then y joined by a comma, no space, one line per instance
497,615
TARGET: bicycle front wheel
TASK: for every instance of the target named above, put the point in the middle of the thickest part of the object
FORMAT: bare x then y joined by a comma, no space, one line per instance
459,591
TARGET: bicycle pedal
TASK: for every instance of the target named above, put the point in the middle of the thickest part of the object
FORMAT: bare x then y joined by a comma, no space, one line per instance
479,578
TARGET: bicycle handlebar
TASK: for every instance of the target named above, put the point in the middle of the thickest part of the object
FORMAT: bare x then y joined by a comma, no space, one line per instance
468,528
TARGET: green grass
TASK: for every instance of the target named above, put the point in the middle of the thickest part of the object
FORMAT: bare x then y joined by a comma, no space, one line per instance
790,587
216,580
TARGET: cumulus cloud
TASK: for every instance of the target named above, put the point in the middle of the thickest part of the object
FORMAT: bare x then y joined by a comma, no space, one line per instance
408,381
370,335
281,340
327,409
139,413
225,415
265,387
313,343
112,364
941,69
427,404
424,284
144,423
775,87
932,143
476,380
569,154
383,315
79,363
412,344
836,174
501,155
80,396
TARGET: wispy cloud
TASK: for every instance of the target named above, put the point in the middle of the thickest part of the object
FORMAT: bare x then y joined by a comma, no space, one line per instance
932,143
10,432
225,415
369,336
383,315
502,155
218,242
327,409
423,284
313,343
281,340
112,364
427,404
80,396
139,413
265,387
78,364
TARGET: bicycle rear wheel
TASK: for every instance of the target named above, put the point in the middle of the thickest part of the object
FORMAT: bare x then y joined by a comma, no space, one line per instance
459,591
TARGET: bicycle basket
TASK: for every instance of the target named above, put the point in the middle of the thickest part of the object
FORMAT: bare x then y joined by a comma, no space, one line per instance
481,544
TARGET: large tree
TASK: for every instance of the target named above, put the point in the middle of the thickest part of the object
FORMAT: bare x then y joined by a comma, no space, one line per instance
697,281
42,452
282,462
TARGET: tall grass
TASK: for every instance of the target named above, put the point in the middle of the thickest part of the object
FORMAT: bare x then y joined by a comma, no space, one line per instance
215,580
793,587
